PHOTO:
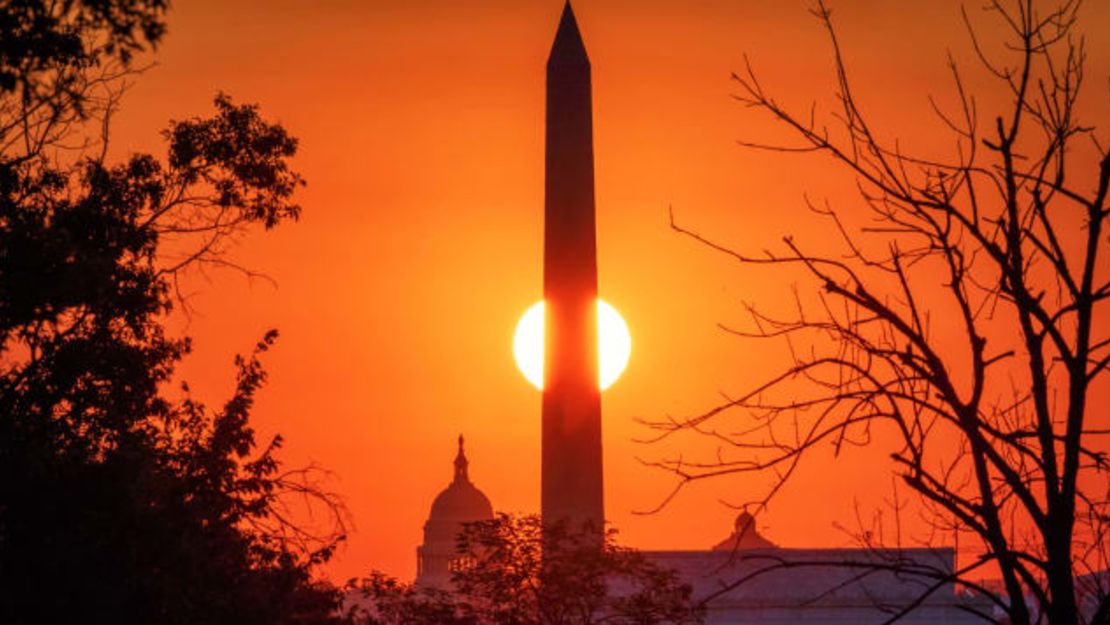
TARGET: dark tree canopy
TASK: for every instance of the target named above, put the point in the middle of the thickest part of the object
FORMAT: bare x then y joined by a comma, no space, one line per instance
121,501
515,571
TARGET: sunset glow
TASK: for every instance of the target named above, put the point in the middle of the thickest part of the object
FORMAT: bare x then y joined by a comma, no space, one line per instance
614,344
422,139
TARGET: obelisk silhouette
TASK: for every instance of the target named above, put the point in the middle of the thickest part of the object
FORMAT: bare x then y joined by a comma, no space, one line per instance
571,466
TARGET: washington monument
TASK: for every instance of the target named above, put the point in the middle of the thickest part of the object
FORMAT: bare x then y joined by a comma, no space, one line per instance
571,465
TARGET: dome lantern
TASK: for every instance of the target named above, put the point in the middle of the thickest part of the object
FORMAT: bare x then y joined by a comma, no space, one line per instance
461,463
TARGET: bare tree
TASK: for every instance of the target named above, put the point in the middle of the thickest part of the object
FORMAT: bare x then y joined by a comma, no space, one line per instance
996,435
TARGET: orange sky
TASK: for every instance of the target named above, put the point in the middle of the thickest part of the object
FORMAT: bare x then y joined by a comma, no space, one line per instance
420,245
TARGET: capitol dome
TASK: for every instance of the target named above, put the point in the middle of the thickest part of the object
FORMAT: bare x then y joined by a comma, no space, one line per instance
461,502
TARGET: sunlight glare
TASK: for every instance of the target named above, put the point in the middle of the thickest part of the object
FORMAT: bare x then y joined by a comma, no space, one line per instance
614,344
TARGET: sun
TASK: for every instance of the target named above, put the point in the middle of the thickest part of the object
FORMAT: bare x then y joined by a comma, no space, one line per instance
614,344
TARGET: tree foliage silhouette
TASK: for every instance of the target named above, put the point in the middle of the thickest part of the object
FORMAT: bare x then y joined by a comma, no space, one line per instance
1003,243
514,570
118,501
379,599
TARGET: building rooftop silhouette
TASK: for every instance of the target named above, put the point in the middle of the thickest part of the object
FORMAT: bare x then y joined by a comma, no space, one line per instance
744,536
815,585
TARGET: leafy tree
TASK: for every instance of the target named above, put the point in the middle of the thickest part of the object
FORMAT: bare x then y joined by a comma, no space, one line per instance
516,571
1004,243
383,600
119,501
